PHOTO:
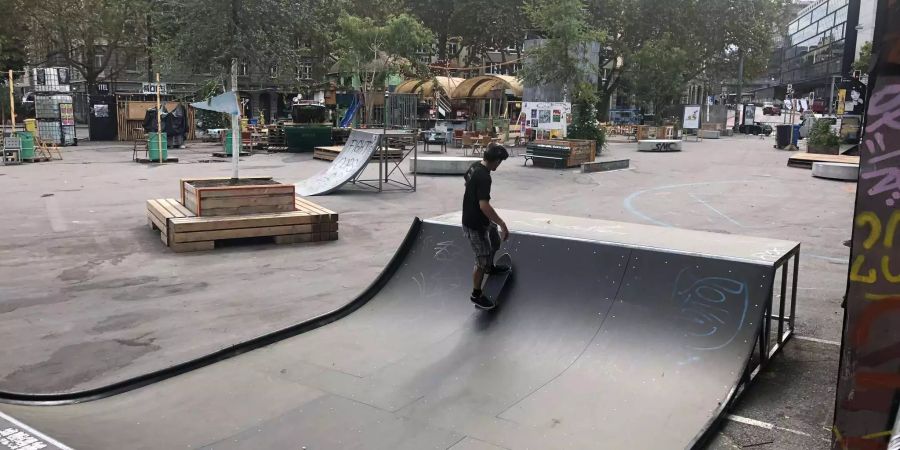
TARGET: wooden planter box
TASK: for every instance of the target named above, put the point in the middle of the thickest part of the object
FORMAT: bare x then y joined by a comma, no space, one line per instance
574,152
225,197
823,150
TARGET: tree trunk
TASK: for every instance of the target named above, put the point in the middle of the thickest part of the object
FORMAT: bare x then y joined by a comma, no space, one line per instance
442,45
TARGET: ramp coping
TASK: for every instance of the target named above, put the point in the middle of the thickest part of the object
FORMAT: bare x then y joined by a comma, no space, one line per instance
757,250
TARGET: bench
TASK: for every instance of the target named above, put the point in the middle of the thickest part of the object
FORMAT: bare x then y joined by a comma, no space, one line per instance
529,155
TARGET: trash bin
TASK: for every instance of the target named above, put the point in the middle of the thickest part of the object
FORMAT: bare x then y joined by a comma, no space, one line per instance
153,146
228,144
26,141
783,136
796,136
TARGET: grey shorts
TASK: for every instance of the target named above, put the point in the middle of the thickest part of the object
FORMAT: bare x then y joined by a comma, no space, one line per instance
484,242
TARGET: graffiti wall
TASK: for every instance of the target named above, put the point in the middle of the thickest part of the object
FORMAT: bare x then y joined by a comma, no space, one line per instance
868,391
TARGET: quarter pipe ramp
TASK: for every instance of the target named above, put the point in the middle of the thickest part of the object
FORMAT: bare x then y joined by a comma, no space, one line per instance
611,336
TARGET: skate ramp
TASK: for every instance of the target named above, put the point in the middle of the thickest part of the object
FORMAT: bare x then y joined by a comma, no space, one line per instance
609,337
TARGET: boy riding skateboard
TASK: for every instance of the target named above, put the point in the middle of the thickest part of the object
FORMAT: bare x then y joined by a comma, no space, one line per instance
480,221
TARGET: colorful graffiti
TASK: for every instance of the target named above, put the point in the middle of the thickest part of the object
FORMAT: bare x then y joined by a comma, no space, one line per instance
868,391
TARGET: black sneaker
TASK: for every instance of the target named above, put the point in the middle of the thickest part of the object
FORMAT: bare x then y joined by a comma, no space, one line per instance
497,269
482,302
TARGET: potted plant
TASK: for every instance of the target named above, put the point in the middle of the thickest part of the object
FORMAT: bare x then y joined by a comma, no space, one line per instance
822,140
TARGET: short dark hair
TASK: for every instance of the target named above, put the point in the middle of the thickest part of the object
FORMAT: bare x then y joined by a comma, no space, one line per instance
495,152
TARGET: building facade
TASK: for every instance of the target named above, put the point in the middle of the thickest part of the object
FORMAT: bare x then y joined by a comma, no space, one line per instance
820,45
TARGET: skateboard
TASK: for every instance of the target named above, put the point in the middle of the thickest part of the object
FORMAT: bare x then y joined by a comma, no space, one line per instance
493,287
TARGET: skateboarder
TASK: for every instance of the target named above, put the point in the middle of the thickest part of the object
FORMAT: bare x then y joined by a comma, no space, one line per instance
480,222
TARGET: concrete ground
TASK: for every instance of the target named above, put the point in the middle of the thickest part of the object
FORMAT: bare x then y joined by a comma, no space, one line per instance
90,295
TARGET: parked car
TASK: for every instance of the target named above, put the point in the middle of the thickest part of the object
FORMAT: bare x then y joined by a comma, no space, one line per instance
818,106
770,109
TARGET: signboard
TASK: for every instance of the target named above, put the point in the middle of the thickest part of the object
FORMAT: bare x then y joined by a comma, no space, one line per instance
66,114
552,118
150,88
749,114
691,117
853,99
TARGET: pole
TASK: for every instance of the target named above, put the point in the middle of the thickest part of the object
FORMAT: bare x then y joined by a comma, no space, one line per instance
740,89
235,123
831,97
12,103
158,122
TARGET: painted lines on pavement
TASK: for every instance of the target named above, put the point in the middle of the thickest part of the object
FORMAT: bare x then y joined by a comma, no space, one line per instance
765,425
821,341
24,437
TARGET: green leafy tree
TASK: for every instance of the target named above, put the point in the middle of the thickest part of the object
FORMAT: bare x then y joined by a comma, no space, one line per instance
657,74
864,61
204,36
563,59
715,34
439,16
372,50
498,27
95,37
12,38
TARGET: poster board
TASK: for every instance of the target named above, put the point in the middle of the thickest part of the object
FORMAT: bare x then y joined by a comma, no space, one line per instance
548,119
691,117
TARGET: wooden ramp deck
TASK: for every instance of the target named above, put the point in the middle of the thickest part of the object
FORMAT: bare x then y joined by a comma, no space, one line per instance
805,160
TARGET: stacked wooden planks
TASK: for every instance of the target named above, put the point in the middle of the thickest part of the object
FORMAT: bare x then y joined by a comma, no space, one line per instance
331,152
183,231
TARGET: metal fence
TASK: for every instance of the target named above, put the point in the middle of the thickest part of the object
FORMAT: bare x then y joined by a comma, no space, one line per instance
401,111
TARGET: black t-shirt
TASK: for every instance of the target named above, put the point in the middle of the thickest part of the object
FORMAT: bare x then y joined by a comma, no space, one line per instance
478,187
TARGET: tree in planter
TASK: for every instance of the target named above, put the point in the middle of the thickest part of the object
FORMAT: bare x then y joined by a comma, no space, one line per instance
584,118
822,139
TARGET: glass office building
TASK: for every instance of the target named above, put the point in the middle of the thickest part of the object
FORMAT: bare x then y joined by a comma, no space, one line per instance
813,49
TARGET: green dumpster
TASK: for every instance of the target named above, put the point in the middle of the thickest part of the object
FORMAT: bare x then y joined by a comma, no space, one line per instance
26,140
153,144
305,138
228,144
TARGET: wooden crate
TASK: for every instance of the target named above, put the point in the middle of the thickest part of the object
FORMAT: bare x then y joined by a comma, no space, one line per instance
208,197
183,231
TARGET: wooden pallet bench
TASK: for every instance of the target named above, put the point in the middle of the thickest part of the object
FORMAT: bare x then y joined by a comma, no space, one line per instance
183,231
